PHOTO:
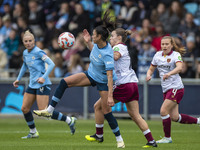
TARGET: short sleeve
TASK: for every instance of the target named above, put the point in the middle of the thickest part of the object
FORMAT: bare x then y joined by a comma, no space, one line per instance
109,62
153,62
119,49
178,58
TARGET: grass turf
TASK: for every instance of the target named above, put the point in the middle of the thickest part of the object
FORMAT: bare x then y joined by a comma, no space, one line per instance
55,135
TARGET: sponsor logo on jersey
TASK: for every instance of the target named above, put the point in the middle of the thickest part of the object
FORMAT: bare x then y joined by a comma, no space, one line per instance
93,58
164,67
168,60
116,49
109,62
30,63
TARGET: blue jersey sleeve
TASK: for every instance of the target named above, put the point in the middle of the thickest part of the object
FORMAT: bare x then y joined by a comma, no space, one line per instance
47,60
109,62
50,67
22,71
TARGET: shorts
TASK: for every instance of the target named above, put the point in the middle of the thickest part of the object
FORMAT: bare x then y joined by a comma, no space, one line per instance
126,92
174,95
100,86
44,90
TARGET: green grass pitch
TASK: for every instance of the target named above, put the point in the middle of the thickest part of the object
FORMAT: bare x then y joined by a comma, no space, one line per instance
55,135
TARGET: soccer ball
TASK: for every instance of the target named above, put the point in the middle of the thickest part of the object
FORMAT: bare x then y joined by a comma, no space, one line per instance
66,40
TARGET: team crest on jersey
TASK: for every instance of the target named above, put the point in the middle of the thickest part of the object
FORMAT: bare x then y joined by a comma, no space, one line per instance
116,49
168,60
99,56
33,57
172,96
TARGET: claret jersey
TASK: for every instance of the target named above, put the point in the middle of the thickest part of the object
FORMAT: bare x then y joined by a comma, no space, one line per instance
165,64
123,69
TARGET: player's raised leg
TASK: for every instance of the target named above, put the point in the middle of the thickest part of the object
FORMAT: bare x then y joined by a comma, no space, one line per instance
79,79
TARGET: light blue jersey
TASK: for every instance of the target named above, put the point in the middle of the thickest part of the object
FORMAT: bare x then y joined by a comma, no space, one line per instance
34,61
101,60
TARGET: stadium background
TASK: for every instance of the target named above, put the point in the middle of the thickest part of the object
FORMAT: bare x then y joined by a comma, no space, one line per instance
148,19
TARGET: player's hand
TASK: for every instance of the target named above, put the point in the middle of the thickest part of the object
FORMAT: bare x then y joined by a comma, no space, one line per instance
110,102
15,83
166,76
86,36
148,78
40,80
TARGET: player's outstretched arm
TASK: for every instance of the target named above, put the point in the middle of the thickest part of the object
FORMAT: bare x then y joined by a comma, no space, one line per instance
87,39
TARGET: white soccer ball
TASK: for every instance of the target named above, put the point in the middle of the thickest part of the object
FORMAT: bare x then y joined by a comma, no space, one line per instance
66,40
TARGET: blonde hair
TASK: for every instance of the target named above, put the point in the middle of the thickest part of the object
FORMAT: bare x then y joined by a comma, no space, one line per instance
28,33
180,49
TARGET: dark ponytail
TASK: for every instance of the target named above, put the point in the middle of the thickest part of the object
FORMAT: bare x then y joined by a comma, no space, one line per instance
109,24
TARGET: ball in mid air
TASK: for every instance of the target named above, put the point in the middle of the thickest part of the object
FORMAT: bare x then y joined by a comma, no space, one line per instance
66,40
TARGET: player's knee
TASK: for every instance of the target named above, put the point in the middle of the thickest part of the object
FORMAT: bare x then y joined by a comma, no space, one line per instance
25,110
106,110
174,118
163,112
133,116
97,106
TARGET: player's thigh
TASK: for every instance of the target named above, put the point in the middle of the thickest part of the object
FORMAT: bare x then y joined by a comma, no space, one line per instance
79,79
28,101
42,101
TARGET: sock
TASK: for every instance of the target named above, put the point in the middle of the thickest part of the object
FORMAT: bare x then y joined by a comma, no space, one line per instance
186,119
148,135
59,93
58,116
30,121
119,138
198,120
99,130
113,125
50,109
166,125
68,120
33,130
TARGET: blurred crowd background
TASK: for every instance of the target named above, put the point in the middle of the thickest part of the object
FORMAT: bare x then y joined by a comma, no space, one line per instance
149,20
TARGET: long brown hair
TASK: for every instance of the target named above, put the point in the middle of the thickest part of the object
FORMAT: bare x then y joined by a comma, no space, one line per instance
123,33
180,49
